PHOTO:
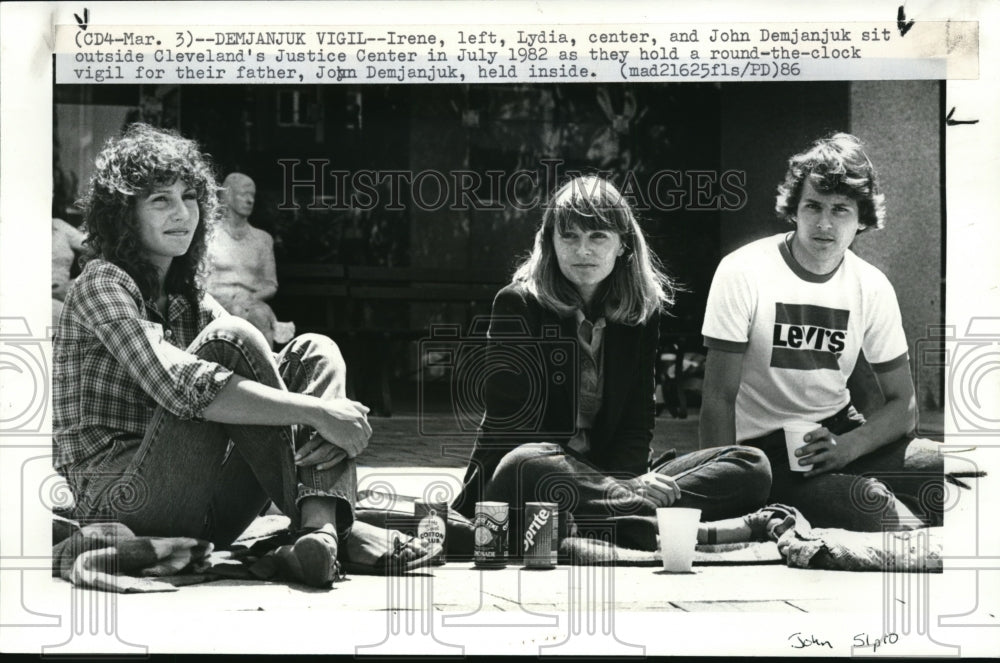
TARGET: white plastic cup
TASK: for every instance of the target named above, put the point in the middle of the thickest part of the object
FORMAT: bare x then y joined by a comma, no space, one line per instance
795,431
678,538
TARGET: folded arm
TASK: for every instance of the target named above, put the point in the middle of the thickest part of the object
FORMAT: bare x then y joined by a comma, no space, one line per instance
341,422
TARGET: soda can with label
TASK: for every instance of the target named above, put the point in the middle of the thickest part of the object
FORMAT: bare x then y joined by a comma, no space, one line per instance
541,540
491,522
432,521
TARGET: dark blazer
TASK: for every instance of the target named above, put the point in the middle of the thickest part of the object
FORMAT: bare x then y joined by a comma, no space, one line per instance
518,411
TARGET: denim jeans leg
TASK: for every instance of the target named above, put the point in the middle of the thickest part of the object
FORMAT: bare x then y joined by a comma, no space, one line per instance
853,498
722,482
313,364
913,469
544,472
164,486
181,478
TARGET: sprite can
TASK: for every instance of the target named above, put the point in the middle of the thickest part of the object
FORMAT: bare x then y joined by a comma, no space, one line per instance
541,540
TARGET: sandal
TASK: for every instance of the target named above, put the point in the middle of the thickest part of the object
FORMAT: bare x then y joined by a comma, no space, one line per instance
770,522
401,558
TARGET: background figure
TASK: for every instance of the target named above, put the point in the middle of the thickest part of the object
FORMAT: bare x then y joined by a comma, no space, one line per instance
242,274
67,243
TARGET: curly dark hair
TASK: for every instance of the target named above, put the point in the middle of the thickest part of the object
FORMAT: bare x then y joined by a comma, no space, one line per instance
837,164
130,167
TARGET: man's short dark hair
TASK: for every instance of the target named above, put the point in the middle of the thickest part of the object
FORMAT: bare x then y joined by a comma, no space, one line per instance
837,164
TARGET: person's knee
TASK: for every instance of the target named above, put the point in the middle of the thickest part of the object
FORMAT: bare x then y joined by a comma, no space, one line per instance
879,507
531,458
924,455
318,345
224,335
532,472
237,329
756,471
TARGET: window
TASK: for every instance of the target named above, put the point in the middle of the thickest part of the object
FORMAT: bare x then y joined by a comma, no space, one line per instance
297,108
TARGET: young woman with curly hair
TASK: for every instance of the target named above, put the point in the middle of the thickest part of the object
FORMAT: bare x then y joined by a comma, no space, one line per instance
173,417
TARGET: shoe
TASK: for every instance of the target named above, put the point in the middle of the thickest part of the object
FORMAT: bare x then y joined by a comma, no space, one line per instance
312,559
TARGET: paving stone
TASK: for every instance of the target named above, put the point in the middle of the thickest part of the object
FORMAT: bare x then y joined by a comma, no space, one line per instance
737,606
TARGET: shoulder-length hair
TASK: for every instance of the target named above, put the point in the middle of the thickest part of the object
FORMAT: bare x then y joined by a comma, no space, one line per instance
129,168
637,287
836,164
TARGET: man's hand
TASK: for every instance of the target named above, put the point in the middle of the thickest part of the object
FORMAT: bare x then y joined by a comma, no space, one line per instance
341,423
824,452
657,490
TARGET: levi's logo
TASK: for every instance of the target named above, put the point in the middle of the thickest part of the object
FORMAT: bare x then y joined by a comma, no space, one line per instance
808,337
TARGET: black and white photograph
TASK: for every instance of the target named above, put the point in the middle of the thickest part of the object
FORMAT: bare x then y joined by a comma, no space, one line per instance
528,343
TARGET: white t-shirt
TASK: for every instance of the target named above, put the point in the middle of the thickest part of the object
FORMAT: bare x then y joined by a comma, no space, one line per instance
800,333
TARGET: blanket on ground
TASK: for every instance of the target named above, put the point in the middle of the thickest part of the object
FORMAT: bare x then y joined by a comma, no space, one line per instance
917,550
798,543
109,557
583,551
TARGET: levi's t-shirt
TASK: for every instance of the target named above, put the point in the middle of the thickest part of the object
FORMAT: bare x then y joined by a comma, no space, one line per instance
800,333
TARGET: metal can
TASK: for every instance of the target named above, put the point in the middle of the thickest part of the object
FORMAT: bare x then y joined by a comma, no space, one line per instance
491,522
432,522
541,540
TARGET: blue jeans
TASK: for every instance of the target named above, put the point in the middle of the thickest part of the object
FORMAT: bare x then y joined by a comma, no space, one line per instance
209,480
723,482
899,486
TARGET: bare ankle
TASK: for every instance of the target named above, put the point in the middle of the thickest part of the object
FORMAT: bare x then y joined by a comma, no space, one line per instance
318,510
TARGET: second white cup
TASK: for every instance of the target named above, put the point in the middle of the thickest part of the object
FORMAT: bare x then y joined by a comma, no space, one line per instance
678,537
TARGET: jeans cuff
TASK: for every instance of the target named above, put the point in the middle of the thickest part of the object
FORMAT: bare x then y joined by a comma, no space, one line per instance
345,504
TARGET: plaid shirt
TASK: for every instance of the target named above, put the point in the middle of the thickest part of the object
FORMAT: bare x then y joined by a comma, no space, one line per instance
116,359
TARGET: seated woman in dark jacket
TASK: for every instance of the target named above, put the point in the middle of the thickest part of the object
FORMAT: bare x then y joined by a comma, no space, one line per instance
577,430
